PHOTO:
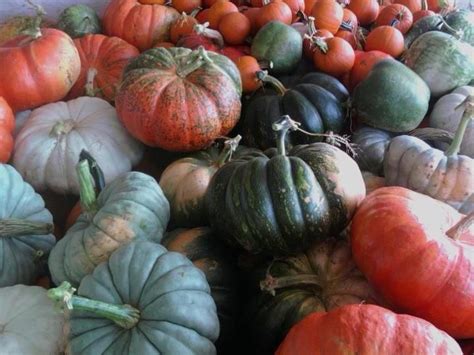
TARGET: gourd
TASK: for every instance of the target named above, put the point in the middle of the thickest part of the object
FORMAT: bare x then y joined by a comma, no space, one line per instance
161,306
26,228
62,130
79,20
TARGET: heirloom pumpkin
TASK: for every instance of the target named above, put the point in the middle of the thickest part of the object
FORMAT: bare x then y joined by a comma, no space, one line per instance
131,207
7,124
79,20
418,253
178,99
161,306
62,130
26,228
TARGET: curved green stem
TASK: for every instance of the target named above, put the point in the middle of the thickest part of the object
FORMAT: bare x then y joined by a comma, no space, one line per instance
87,191
270,284
282,126
18,227
263,76
230,145
205,31
125,315
199,58
468,115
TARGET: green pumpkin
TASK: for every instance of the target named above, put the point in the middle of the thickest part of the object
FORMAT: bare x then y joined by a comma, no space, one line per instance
462,20
131,207
26,228
392,97
442,61
280,205
423,25
279,44
143,300
79,20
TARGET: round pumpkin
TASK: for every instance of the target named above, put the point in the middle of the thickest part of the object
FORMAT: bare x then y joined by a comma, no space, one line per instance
400,237
273,10
79,20
163,306
334,56
178,99
38,69
248,67
365,10
218,10
396,15
387,39
328,15
48,145
7,124
26,228
235,28
102,62
140,24
182,26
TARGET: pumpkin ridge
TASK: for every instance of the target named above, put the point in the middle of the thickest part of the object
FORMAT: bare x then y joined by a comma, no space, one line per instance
430,181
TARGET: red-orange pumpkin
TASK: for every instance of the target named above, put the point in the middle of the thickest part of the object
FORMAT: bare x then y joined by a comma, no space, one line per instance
38,70
178,99
218,11
405,243
103,59
273,10
248,67
413,5
235,28
139,24
365,329
7,124
349,37
328,15
365,10
386,39
186,6
397,15
182,26
333,56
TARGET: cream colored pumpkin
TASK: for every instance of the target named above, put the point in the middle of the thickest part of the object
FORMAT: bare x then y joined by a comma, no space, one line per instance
29,322
48,145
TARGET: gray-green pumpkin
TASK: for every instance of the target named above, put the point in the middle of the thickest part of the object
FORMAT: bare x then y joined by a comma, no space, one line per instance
279,44
442,61
131,207
462,20
143,301
25,230
79,20
392,97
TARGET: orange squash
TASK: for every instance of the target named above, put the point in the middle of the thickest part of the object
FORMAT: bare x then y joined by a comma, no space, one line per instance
333,56
235,28
328,15
365,10
386,39
398,15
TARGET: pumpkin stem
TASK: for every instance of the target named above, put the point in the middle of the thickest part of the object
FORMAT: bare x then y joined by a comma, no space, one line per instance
200,57
321,44
311,26
446,27
89,87
205,31
88,195
230,145
124,315
468,115
346,26
34,30
270,284
282,127
61,128
263,76
462,226
433,134
19,227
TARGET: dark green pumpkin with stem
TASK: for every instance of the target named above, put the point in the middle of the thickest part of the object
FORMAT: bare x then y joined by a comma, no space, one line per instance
79,20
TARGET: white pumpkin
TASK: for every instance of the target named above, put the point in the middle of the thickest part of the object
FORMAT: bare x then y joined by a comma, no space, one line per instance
29,322
48,145
446,116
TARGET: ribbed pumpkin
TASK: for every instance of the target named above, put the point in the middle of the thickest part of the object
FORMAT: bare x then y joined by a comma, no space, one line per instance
365,10
397,15
7,124
178,99
328,15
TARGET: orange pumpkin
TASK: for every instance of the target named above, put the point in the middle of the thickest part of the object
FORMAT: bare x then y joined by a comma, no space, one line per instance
203,16
438,5
328,15
164,45
310,38
349,20
186,6
235,28
7,124
363,63
398,15
386,39
251,13
422,13
182,26
349,37
333,56
365,10
139,24
218,11
412,5
273,10
296,6
248,67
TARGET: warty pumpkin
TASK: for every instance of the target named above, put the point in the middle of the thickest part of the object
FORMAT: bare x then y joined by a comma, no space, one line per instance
7,124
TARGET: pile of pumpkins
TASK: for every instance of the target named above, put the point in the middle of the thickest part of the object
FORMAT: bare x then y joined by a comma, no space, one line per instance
215,176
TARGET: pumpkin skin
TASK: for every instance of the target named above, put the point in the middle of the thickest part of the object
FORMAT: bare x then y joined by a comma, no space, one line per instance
178,99
28,311
463,20
386,39
39,71
79,20
62,130
328,15
23,253
365,10
409,230
366,329
400,14
177,312
7,124
334,56
108,56
141,25
322,278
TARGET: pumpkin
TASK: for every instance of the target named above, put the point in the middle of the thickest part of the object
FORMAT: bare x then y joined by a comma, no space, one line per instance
79,20
313,35
422,13
38,69
218,263
279,44
218,10
440,5
25,230
392,97
385,39
363,64
30,323
349,37
248,67
178,99
163,306
251,13
328,15
334,56
446,176
371,145
365,10
187,6
132,207
281,205
398,15
182,26
425,24
322,278
442,61
102,62
366,329
14,26
447,113
462,20
141,25
310,101
62,130
349,21
235,28
273,10
7,124
427,249
412,5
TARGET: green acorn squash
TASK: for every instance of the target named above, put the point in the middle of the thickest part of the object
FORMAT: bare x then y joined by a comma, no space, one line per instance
462,20
79,20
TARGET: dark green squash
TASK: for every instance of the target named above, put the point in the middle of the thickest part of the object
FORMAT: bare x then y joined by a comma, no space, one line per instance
279,44
462,20
79,20
426,24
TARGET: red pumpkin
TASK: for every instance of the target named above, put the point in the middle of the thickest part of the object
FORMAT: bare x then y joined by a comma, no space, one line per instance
139,24
386,39
363,63
164,44
422,13
309,40
365,10
333,56
328,15
203,16
412,5
365,329
296,6
349,20
182,26
273,10
405,243
398,15
186,6
183,102
349,37
248,67
38,69
7,124
102,62
439,5
218,11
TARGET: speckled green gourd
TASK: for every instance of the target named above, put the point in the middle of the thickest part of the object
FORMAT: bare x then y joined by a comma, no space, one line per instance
79,20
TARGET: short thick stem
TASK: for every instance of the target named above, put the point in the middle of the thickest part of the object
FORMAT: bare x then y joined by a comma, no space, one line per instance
86,187
230,145
270,284
462,226
207,32
467,117
18,227
89,87
125,315
321,44
282,127
263,76
61,128
199,58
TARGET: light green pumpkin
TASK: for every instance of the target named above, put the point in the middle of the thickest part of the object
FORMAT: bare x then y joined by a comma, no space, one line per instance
25,230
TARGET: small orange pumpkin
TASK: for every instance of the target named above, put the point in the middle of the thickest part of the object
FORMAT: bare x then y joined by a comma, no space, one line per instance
333,56
386,39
